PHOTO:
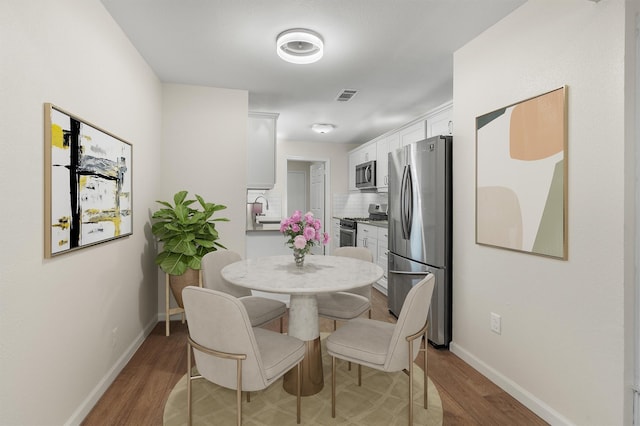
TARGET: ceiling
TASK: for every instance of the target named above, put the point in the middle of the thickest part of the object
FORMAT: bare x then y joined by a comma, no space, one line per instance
398,55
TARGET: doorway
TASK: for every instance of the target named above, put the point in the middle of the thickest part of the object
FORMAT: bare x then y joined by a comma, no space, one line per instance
307,190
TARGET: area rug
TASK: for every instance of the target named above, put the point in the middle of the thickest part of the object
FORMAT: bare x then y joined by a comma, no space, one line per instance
381,400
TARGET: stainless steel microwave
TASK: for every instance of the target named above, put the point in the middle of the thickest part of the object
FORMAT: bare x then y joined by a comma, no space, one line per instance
366,175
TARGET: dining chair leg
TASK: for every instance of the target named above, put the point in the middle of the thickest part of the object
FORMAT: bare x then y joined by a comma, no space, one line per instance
281,324
239,391
188,384
410,382
359,374
335,327
167,316
248,396
299,391
426,381
333,386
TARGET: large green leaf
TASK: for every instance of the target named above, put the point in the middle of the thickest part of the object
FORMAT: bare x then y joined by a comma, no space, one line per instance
179,197
204,243
164,214
171,226
195,262
164,203
182,244
174,264
182,212
197,217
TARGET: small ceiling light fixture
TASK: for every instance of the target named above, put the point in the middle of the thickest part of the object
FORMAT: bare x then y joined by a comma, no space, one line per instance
300,46
322,128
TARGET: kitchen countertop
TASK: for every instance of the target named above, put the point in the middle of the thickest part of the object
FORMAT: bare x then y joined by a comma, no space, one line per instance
378,223
263,229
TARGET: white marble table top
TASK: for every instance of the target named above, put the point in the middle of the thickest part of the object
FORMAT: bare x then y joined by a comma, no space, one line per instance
320,274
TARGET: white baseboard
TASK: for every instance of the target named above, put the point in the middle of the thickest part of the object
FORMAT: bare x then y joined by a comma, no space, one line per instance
526,398
90,401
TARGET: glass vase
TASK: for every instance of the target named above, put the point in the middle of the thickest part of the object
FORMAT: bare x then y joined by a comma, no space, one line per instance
298,256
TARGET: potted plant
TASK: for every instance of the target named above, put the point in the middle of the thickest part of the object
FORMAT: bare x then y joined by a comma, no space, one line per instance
187,234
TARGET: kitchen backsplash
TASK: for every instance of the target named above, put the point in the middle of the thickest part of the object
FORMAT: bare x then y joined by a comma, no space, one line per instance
274,199
356,204
352,204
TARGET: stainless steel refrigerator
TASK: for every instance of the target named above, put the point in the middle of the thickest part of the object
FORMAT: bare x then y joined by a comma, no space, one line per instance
420,228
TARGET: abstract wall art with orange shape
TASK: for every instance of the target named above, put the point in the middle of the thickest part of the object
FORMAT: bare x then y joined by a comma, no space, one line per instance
521,176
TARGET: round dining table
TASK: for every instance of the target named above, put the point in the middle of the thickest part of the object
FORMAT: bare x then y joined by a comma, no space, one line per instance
319,274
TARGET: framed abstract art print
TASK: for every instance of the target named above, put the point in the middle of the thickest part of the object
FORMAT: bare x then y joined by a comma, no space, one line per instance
88,186
521,176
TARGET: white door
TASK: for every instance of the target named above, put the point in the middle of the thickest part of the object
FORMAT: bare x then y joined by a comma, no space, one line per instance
317,200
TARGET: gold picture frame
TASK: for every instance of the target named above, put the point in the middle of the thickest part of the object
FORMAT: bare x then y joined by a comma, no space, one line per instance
88,183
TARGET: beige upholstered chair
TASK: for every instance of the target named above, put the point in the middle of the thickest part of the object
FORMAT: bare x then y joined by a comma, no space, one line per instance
231,353
261,310
386,346
346,305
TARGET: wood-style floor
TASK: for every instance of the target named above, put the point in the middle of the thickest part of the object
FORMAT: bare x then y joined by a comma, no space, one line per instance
138,394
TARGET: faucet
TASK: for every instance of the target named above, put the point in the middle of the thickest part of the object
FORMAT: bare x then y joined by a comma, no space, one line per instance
265,199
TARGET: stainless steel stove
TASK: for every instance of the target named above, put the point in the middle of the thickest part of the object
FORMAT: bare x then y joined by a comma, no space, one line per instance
349,225
348,228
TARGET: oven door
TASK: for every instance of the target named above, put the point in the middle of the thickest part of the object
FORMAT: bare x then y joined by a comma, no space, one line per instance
347,237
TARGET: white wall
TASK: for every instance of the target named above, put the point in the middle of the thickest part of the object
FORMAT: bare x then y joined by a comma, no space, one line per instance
563,349
204,151
636,297
632,192
69,323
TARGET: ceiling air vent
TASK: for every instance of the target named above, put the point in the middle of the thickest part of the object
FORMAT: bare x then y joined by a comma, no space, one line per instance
346,95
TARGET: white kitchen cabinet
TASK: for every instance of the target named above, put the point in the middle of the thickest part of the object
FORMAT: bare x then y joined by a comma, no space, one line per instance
383,147
440,123
375,239
413,133
367,236
381,259
335,234
261,150
366,153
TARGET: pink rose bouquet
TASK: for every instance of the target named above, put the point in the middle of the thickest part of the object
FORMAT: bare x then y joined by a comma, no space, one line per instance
303,231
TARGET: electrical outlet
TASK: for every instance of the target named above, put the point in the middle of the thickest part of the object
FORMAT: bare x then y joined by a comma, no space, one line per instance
496,323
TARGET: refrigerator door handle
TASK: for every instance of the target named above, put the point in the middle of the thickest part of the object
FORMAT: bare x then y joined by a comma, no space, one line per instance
402,194
408,206
409,273
405,202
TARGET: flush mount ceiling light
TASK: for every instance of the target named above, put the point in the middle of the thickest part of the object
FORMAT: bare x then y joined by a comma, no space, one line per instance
322,127
300,46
